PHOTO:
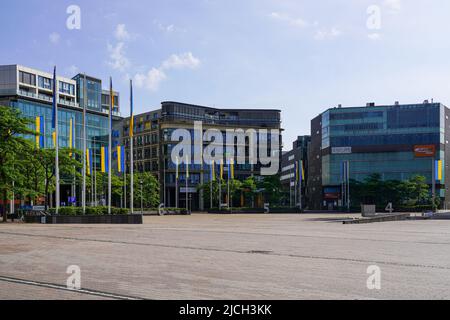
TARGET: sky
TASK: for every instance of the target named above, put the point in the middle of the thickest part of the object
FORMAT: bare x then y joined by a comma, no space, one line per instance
299,56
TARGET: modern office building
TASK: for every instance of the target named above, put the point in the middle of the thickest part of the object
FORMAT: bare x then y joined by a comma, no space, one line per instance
31,91
395,141
153,145
289,159
146,142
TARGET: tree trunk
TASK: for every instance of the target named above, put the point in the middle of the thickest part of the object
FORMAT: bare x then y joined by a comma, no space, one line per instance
46,195
5,199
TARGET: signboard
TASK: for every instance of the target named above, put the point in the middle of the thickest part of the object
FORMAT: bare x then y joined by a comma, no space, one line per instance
341,150
424,151
190,190
331,196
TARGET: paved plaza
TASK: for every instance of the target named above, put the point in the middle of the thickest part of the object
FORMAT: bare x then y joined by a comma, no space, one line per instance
227,257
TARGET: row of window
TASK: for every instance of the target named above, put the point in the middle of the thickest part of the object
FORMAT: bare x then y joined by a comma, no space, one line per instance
394,139
45,83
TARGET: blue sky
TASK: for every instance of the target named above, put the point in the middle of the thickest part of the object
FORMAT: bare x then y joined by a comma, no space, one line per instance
299,56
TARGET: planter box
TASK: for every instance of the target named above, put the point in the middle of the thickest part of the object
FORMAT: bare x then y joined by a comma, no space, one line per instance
105,219
256,211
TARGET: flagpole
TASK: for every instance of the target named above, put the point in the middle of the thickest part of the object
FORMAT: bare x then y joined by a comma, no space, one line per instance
176,185
131,149
83,191
228,184
94,176
111,102
301,171
211,186
124,177
187,178
220,184
55,127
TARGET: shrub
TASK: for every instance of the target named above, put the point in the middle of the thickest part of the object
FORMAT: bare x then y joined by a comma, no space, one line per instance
94,211
67,211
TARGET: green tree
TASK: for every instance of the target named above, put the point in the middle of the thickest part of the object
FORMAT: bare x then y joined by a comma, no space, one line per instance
272,189
12,129
150,190
417,190
248,189
46,159
206,187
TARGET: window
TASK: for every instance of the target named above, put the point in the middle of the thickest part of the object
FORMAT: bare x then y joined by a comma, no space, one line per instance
27,78
66,88
45,83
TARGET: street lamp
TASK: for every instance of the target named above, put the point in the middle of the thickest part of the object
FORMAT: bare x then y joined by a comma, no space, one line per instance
142,197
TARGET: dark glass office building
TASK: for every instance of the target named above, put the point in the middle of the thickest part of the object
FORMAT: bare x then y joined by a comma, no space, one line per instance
389,140
153,145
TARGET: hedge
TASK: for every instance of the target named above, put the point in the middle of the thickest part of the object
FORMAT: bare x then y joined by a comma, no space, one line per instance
90,211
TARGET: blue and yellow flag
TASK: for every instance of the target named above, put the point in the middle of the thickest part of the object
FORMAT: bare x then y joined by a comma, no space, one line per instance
438,169
120,159
104,159
231,169
187,167
221,169
212,170
88,162
40,132
54,107
72,135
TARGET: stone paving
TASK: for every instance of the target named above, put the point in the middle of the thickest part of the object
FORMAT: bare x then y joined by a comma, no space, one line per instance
228,257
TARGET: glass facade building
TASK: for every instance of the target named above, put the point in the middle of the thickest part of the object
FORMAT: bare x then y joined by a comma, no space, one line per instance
31,92
376,139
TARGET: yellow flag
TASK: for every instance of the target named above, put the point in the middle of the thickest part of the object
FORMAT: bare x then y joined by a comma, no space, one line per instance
102,158
38,131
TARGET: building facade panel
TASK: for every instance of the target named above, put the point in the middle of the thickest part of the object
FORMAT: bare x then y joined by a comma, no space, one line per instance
376,139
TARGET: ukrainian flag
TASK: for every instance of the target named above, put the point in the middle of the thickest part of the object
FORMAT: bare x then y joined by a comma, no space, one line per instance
213,173
104,160
54,107
232,168
438,170
121,158
187,167
72,135
40,132
88,162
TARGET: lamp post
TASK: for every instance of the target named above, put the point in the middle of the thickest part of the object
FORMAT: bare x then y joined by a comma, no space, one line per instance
142,197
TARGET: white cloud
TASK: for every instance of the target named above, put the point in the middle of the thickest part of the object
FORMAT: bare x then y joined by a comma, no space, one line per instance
118,59
54,37
323,34
184,60
394,6
153,78
295,22
121,33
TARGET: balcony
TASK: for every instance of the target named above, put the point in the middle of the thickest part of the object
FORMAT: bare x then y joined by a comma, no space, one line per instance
46,98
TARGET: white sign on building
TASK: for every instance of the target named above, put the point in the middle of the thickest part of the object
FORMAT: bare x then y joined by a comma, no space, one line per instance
341,150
